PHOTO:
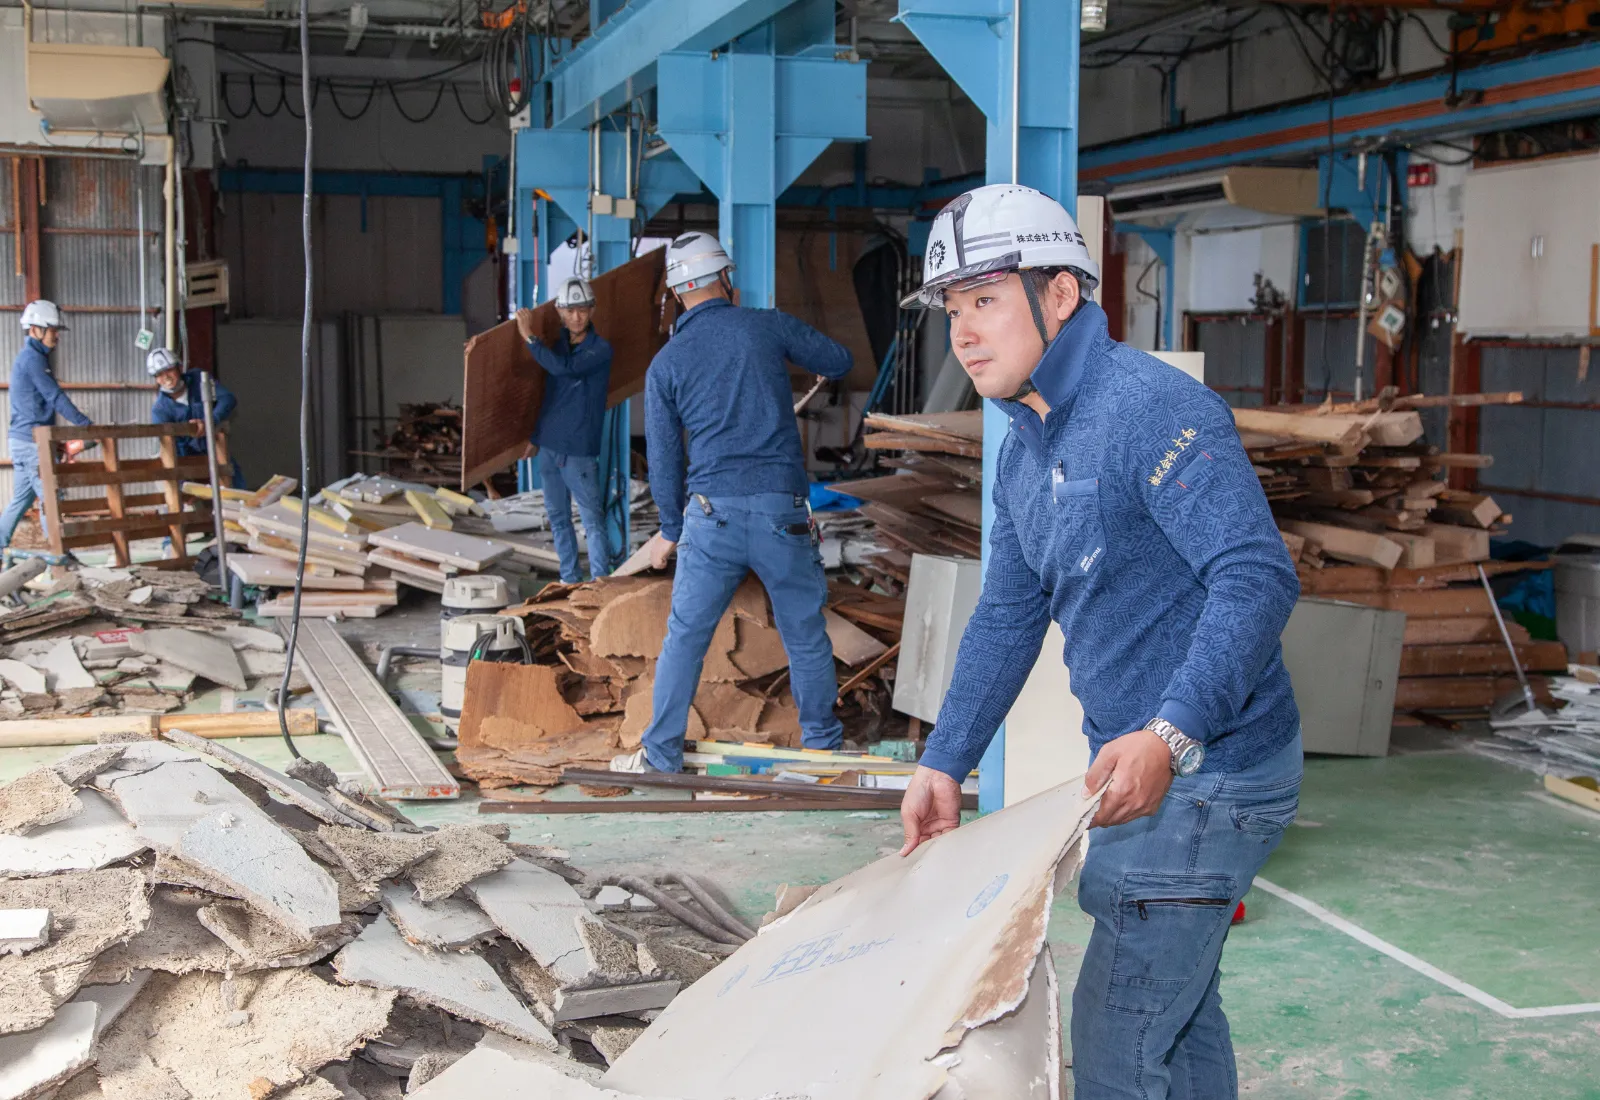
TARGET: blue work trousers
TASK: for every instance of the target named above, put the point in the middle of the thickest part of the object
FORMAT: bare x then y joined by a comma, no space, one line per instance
771,534
25,488
1147,1018
567,478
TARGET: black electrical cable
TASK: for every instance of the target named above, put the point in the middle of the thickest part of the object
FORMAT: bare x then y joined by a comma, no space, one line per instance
455,90
437,99
227,104
372,93
305,390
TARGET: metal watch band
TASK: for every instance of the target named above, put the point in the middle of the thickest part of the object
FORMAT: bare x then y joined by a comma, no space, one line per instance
1177,741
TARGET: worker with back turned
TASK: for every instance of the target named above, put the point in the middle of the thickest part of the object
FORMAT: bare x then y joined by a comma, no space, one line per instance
1126,510
567,435
181,399
36,400
729,477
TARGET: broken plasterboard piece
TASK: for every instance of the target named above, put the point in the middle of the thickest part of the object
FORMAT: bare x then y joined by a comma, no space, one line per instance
173,940
540,911
76,770
250,637
371,857
104,907
97,836
24,677
284,1025
451,924
293,791
1017,1056
461,984
22,930
36,799
502,1069
60,665
32,1062
461,855
613,1000
204,655
942,941
263,943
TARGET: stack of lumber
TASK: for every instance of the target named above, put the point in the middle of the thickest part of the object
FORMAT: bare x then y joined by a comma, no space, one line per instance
1361,487
425,446
1454,660
588,697
932,504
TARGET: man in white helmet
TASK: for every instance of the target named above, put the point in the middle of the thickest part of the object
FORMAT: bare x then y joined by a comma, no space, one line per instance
1125,509
567,435
729,478
36,399
179,398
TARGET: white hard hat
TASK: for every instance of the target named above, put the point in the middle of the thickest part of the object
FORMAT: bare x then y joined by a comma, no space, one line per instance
43,314
159,360
575,292
1002,227
693,261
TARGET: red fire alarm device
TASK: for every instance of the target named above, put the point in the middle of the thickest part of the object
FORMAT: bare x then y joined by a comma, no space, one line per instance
1422,174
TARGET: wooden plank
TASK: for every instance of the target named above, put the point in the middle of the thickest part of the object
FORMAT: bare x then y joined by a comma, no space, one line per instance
1467,509
1393,429
1434,603
953,426
1453,544
446,547
40,732
1418,549
1360,547
388,746
666,806
872,666
316,555
742,785
1343,431
64,433
1457,631
270,571
906,441
83,532
50,498
133,471
429,510
1586,797
1457,462
169,461
402,563
1481,658
114,505
851,644
1459,692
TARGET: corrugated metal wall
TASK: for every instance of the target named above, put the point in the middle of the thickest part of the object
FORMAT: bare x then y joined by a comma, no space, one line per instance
375,255
89,260
1545,466
1236,358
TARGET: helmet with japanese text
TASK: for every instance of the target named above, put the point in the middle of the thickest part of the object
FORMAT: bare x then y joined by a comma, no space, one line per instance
694,260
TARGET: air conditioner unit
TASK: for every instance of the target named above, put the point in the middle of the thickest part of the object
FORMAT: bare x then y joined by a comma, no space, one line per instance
1291,192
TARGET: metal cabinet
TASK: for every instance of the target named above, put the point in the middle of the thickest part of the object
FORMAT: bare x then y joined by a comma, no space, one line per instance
1344,662
1532,232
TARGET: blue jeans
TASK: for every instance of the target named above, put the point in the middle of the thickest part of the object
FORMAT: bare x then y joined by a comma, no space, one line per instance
1147,1019
25,488
770,533
565,478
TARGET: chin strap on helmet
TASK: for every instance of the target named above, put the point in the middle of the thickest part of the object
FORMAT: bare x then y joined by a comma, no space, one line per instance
1032,282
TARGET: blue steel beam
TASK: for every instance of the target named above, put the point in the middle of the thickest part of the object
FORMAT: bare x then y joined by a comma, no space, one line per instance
973,40
1535,88
619,61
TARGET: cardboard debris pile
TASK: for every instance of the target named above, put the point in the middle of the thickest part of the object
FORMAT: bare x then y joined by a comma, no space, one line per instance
365,537
589,696
949,944
177,921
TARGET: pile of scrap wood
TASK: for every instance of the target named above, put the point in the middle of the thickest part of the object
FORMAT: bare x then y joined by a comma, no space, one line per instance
932,504
177,920
365,536
425,446
1454,662
1360,486
588,697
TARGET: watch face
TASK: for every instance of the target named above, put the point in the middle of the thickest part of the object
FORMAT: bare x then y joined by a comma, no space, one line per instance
1189,760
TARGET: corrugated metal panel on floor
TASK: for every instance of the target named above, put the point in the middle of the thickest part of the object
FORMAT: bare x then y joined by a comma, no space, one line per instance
1547,445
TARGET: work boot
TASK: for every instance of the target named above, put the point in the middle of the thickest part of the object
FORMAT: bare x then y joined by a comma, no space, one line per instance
634,762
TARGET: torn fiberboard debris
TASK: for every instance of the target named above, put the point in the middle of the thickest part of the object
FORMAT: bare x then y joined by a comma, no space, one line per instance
93,838
943,942
35,799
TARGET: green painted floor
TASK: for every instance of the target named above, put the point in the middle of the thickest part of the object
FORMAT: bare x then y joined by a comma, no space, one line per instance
1458,860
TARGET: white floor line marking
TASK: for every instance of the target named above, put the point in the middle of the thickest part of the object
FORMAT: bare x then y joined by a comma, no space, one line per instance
1426,969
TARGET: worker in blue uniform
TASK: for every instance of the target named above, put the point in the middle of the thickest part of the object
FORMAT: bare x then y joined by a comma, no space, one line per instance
180,399
36,400
1127,511
567,435
729,477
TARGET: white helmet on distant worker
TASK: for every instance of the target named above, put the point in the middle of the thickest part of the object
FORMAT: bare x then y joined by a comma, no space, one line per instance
575,292
159,360
43,314
994,230
694,260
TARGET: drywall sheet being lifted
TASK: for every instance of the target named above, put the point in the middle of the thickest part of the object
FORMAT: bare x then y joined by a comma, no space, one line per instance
503,386
942,942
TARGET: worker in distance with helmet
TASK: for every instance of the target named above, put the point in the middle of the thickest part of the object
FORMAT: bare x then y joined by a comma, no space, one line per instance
181,399
1125,509
567,435
36,400
729,476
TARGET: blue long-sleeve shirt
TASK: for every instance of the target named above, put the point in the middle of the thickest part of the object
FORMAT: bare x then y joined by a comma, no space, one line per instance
721,383
574,406
1131,516
36,397
170,410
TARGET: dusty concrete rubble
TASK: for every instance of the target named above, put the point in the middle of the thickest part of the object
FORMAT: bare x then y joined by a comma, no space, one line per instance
589,696
208,938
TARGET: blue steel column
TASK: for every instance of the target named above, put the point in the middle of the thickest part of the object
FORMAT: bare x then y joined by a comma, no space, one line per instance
974,40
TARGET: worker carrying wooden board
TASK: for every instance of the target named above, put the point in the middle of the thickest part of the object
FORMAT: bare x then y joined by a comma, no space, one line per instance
36,400
729,476
1126,509
180,398
567,436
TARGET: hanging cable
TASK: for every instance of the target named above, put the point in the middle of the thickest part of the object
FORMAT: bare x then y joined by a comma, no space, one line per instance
437,99
372,93
455,90
305,390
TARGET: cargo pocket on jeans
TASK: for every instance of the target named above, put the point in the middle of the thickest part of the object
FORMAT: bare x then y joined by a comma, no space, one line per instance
1165,925
1267,818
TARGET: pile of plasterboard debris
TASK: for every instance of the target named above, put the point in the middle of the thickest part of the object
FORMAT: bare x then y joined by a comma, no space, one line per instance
136,594
1563,740
588,697
133,670
178,921
525,512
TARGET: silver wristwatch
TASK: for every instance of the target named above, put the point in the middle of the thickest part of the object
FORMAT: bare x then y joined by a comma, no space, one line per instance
1187,753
